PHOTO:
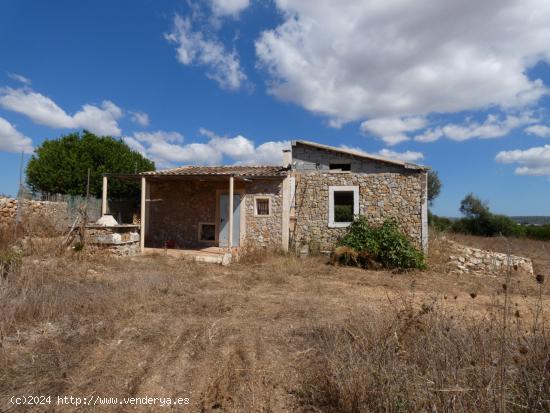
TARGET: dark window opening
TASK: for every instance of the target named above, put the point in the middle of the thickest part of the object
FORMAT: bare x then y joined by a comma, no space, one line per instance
262,206
343,206
208,232
340,166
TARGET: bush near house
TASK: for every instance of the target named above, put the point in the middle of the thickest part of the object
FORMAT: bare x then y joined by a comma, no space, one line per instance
365,243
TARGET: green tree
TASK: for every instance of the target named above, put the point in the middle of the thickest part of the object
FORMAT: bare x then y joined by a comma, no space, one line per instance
473,207
434,186
61,165
479,220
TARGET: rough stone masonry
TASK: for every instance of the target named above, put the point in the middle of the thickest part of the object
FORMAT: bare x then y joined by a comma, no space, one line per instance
54,212
467,260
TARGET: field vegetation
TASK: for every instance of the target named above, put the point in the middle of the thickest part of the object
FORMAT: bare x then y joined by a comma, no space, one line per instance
274,332
479,220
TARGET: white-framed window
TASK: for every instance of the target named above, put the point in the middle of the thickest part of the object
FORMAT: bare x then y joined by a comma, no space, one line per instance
262,206
343,205
207,232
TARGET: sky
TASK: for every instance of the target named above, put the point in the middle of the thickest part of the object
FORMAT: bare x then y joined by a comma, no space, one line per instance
459,85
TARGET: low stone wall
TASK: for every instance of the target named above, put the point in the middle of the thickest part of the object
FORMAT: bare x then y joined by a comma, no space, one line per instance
55,213
473,260
119,240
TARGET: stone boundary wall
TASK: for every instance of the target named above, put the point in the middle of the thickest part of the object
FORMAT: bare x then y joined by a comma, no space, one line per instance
467,260
56,213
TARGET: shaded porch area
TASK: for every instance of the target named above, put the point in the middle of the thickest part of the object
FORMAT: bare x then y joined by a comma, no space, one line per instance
194,213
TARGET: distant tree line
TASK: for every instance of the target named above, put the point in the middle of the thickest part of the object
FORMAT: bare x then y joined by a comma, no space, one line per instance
479,220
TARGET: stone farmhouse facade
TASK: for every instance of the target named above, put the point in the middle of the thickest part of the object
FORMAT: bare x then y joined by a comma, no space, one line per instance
305,203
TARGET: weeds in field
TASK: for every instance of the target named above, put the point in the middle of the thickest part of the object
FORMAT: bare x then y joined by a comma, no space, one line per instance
429,358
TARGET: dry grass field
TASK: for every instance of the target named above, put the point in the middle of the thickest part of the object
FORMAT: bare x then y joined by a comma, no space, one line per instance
274,334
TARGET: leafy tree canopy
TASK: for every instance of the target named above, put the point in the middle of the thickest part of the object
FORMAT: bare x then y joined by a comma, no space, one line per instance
434,186
473,207
61,165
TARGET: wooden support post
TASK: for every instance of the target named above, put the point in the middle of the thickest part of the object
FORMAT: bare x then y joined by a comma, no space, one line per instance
142,218
230,231
104,197
285,224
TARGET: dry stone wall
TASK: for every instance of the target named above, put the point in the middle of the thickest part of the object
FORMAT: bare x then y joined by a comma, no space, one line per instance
394,193
467,260
54,213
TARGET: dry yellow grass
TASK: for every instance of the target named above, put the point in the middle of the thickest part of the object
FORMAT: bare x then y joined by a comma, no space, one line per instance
273,333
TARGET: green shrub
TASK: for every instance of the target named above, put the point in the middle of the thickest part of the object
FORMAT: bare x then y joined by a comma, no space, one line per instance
385,243
540,232
10,263
439,223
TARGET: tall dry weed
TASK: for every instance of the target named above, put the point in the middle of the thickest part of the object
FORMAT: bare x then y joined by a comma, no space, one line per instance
426,358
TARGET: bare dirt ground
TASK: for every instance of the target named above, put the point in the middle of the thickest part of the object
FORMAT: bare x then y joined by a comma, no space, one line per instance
228,338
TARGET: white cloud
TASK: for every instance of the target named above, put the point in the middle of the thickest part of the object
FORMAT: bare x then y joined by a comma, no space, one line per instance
366,59
268,153
229,7
193,47
134,144
159,136
12,140
542,131
392,129
407,156
36,106
100,120
533,161
431,135
20,78
493,127
43,110
167,149
141,118
165,153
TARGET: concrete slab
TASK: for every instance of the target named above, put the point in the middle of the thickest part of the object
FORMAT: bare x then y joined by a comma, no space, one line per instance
213,255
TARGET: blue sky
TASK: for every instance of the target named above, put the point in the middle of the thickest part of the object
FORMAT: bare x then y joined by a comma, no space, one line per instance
460,87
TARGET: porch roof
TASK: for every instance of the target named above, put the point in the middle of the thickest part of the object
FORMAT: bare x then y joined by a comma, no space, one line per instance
238,171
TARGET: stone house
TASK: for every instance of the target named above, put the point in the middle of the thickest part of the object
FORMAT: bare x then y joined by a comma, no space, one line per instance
307,202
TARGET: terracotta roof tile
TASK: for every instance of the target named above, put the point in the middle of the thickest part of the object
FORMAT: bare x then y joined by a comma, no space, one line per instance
244,171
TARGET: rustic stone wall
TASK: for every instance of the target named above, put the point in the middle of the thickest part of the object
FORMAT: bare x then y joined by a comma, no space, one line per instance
264,231
396,192
465,260
53,213
120,240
